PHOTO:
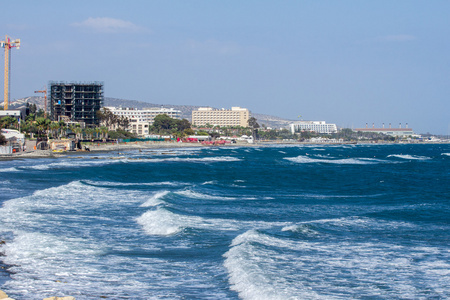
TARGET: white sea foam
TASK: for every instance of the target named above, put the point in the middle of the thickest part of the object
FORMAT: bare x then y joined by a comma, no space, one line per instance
164,222
196,195
73,163
302,159
52,206
156,199
447,154
253,270
11,169
302,228
347,223
53,250
161,222
407,156
188,159
261,266
131,184
209,182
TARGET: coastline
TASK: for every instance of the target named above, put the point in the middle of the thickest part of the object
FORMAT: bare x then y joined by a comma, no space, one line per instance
110,147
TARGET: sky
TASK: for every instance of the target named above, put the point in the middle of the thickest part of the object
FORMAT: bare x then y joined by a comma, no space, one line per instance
344,62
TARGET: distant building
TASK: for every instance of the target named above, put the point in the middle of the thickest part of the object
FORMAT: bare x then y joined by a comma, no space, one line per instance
316,126
141,119
237,116
19,114
76,102
396,132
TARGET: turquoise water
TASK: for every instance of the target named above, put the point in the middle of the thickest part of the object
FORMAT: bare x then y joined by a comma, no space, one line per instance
286,222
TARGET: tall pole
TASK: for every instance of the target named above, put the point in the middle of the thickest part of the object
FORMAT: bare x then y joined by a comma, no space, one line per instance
8,44
6,85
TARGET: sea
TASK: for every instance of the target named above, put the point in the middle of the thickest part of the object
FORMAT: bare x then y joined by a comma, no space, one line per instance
264,222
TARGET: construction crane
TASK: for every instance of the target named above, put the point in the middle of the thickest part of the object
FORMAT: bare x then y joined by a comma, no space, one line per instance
8,44
44,91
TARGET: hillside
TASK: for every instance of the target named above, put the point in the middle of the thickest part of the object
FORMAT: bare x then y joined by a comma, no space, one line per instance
186,110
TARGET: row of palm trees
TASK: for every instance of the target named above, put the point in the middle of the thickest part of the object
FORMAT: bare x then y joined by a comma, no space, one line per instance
40,126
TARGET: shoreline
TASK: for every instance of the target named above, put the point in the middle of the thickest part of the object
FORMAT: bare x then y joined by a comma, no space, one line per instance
107,147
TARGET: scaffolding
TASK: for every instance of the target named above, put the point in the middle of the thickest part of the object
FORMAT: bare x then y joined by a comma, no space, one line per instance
76,102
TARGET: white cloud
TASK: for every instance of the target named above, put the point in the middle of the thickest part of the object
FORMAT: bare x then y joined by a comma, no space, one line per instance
109,25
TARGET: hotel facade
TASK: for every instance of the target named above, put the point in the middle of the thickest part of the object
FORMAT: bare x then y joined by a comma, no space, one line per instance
395,132
142,119
236,116
316,126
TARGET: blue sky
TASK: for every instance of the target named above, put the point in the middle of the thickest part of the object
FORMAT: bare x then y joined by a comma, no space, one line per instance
345,62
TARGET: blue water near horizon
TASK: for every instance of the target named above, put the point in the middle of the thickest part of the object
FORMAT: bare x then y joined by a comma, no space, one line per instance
269,222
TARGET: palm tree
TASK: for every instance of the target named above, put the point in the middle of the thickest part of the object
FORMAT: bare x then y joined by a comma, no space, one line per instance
42,125
54,126
89,132
104,130
62,127
78,131
253,124
98,130
8,122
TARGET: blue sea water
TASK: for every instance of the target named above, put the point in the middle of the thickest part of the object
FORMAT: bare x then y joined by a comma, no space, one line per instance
268,222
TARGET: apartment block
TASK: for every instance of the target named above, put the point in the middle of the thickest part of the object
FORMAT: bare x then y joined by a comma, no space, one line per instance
236,116
76,102
141,119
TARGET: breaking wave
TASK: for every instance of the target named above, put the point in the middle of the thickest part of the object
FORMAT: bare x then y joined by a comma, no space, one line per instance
302,159
322,266
407,156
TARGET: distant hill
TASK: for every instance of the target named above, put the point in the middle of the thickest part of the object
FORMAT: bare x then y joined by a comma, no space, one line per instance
19,103
186,110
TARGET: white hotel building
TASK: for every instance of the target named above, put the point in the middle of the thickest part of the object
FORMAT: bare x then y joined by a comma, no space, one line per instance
141,119
316,126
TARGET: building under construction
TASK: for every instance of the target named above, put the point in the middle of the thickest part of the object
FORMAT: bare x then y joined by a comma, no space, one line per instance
76,102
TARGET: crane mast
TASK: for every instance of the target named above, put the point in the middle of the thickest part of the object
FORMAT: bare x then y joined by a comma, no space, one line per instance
8,44
44,91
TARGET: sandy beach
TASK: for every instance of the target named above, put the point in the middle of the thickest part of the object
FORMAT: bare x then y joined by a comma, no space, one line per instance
111,147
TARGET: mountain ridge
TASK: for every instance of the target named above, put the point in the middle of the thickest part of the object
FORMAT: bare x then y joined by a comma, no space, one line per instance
186,110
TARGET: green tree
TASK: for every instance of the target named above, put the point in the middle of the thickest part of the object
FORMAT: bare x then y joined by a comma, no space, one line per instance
8,122
104,131
32,108
123,122
62,128
89,132
31,117
183,124
42,124
214,135
54,126
40,113
107,117
253,124
98,130
3,139
189,131
163,123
